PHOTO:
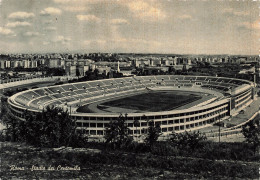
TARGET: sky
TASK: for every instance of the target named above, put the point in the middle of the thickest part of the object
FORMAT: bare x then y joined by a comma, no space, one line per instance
130,26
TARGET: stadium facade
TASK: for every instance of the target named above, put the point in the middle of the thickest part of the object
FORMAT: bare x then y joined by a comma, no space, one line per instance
230,97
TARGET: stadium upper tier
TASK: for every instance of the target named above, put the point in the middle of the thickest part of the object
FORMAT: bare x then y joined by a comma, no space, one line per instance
36,99
236,93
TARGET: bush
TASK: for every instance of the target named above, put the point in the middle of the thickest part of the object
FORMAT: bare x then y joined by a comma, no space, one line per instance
188,141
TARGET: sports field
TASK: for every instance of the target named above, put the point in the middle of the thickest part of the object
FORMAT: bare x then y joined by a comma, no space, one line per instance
154,101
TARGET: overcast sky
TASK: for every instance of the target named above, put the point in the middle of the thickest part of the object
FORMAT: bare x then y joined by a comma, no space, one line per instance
148,26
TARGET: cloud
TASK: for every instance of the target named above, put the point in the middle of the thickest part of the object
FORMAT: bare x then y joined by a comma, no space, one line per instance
185,17
61,39
119,21
136,41
50,11
48,22
88,18
31,34
5,31
66,1
45,42
240,13
78,5
228,10
78,1
143,9
250,25
75,8
125,41
231,11
50,28
100,42
75,5
18,24
20,15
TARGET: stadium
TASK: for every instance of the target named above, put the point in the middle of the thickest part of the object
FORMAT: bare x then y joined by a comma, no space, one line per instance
178,103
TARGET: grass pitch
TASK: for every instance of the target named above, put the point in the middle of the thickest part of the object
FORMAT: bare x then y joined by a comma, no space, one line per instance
155,101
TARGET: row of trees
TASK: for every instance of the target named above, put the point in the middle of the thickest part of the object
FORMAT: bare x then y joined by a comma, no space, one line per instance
11,92
48,71
53,127
95,75
118,133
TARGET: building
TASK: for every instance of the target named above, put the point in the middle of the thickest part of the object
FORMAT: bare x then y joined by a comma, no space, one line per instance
71,70
54,63
26,64
82,70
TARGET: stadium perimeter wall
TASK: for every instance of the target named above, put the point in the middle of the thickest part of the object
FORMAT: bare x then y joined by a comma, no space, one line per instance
176,120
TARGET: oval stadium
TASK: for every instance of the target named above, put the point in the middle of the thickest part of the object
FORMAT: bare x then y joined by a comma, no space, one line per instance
178,103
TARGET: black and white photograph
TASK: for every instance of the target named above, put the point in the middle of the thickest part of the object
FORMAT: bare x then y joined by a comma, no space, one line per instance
129,89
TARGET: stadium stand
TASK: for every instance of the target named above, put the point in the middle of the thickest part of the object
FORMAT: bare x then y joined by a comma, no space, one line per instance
236,94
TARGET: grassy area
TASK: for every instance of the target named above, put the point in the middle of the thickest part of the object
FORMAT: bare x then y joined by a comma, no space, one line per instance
107,164
155,101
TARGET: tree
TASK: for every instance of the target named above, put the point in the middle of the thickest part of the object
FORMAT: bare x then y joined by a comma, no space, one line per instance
9,121
153,133
171,70
53,127
117,133
96,72
184,69
54,71
251,131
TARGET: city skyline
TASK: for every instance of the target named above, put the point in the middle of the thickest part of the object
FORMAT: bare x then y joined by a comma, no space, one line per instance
151,26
